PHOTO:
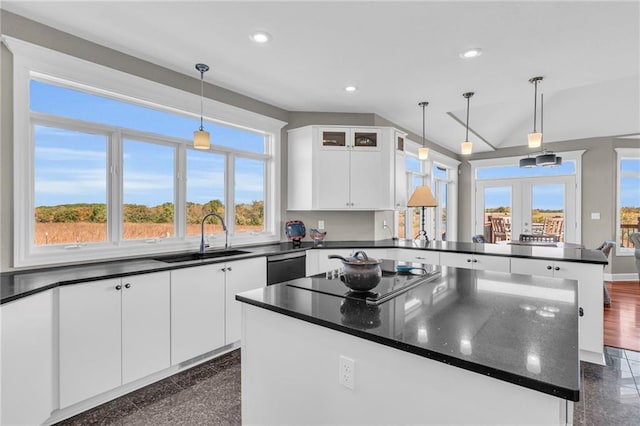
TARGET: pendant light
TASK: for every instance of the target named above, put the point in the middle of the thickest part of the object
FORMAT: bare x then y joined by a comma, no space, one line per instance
534,138
467,147
423,151
547,159
201,136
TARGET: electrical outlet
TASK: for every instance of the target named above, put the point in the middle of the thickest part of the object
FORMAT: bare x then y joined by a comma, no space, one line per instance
384,223
347,372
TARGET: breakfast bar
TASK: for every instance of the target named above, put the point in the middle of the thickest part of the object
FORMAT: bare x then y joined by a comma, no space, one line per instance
462,346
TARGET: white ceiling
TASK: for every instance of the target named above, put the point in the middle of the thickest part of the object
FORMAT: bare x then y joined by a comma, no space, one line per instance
397,54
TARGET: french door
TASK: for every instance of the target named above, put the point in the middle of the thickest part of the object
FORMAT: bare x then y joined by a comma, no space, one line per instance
526,205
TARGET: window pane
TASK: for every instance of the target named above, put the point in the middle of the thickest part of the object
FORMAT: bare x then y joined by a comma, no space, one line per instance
630,165
70,186
629,208
73,103
412,164
148,188
497,213
547,210
439,172
249,195
442,210
498,172
205,190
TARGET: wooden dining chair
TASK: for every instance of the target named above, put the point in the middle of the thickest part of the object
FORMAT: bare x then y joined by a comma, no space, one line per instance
553,226
498,229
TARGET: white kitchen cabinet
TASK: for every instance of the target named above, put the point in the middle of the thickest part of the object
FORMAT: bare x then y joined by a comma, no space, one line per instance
475,261
341,168
400,173
26,345
240,275
416,256
146,325
590,279
112,332
197,311
204,313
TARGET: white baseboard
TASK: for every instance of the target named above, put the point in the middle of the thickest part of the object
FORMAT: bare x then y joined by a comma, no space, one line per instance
621,277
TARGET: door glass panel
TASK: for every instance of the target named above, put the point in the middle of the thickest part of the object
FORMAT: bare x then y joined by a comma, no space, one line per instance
442,210
497,213
334,138
547,210
365,139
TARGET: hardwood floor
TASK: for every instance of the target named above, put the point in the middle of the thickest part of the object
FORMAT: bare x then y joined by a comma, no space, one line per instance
622,318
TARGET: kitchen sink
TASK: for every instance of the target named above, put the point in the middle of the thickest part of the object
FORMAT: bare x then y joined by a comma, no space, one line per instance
199,256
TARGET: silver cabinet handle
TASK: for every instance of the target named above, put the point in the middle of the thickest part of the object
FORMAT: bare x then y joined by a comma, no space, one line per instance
475,260
557,268
127,285
549,267
223,270
118,287
468,260
420,257
229,268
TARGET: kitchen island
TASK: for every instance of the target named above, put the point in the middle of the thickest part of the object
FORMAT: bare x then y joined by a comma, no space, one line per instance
464,347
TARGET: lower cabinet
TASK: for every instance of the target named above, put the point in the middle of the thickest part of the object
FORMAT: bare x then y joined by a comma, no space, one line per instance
241,275
27,379
416,256
197,311
476,261
112,332
204,313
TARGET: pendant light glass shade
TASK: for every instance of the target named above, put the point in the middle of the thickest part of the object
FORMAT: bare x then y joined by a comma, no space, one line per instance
423,151
466,147
534,140
201,138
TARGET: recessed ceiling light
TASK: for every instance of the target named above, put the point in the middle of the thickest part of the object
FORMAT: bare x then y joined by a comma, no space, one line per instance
260,37
350,88
471,53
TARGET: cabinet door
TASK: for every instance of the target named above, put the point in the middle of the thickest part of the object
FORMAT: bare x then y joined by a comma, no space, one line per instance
27,351
532,267
491,263
368,180
145,325
90,345
241,275
400,184
197,311
457,260
331,180
590,298
366,139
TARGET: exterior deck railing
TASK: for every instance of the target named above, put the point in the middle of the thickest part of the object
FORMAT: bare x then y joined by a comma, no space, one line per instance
626,229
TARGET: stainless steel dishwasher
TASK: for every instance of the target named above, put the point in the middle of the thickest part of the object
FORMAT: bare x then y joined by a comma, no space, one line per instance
285,267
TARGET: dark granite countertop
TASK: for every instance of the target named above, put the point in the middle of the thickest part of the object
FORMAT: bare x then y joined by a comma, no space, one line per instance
516,328
17,284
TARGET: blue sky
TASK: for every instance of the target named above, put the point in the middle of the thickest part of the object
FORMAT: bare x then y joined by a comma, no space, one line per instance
70,167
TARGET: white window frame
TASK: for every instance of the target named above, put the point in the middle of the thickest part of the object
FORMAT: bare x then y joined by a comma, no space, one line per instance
32,61
623,153
514,161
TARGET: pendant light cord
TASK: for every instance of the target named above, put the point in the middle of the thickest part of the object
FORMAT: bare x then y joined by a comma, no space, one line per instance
424,107
468,100
541,121
201,99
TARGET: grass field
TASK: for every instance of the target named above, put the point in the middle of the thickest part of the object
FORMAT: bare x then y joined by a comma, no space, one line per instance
86,232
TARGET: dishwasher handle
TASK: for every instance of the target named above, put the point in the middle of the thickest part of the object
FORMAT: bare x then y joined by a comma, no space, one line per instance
286,256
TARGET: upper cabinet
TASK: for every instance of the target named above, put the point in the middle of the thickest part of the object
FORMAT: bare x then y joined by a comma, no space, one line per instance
342,168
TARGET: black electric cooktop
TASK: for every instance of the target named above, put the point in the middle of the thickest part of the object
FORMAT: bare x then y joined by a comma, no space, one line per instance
391,284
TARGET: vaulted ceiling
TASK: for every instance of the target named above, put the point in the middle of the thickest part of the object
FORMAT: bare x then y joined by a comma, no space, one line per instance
397,54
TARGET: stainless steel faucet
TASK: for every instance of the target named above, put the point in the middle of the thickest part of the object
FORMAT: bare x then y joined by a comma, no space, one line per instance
203,246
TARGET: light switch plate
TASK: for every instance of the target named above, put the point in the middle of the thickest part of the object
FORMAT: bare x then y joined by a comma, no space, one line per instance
321,224
595,216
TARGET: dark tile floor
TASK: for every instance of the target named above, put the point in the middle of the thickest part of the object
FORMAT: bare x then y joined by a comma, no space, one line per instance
209,394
